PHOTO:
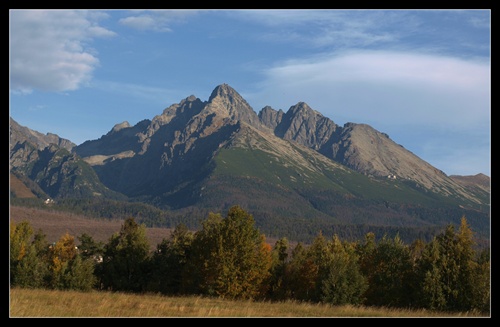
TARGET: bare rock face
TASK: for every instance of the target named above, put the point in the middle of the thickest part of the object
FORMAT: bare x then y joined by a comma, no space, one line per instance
20,134
225,101
371,152
270,117
25,144
118,127
45,160
166,150
305,126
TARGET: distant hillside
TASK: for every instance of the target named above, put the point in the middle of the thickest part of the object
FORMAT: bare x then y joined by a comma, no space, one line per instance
474,182
55,224
19,189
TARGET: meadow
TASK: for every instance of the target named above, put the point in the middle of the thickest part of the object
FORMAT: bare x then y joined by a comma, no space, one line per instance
38,303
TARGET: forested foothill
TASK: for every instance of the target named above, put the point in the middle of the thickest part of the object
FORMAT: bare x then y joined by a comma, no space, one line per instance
230,258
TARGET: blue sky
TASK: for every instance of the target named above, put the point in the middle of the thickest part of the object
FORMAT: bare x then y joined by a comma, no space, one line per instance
421,76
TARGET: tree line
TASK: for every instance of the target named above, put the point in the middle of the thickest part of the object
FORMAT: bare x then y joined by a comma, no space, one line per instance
229,258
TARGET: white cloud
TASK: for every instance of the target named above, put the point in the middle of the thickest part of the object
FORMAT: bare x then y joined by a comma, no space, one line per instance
381,85
49,51
398,93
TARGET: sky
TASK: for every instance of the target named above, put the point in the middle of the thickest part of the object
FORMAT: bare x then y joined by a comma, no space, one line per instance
421,76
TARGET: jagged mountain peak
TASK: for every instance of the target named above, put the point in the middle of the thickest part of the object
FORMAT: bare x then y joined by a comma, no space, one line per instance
303,108
223,90
20,134
304,125
226,102
180,108
270,117
120,126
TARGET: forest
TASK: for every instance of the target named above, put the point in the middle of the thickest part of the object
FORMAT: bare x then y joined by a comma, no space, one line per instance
228,257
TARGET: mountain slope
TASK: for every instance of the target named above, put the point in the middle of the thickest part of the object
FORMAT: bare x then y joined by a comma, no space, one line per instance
217,153
366,150
296,170
21,134
51,167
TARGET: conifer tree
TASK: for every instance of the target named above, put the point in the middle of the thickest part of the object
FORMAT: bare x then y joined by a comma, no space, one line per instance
303,272
279,277
389,274
169,261
450,276
125,258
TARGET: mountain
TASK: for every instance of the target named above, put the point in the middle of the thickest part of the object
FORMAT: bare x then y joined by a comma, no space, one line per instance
475,182
293,171
21,134
362,148
44,165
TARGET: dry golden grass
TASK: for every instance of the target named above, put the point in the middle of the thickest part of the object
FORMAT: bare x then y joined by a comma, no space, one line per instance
51,303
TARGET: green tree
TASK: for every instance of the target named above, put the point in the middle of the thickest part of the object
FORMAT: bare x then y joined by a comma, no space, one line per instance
19,241
481,293
279,278
168,262
89,248
231,256
321,256
344,282
125,258
431,293
303,272
79,274
390,274
450,276
32,270
28,257
366,251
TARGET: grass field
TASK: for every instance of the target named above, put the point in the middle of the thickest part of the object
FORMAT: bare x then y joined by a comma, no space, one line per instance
60,304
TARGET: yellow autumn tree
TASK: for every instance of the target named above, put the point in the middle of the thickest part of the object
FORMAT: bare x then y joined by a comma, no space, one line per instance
231,256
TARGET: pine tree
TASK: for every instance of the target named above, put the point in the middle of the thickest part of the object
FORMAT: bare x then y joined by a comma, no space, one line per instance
450,276
303,272
389,274
125,258
279,278
169,261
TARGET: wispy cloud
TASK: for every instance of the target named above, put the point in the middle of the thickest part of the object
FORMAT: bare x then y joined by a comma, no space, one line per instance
327,28
374,85
155,20
49,49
